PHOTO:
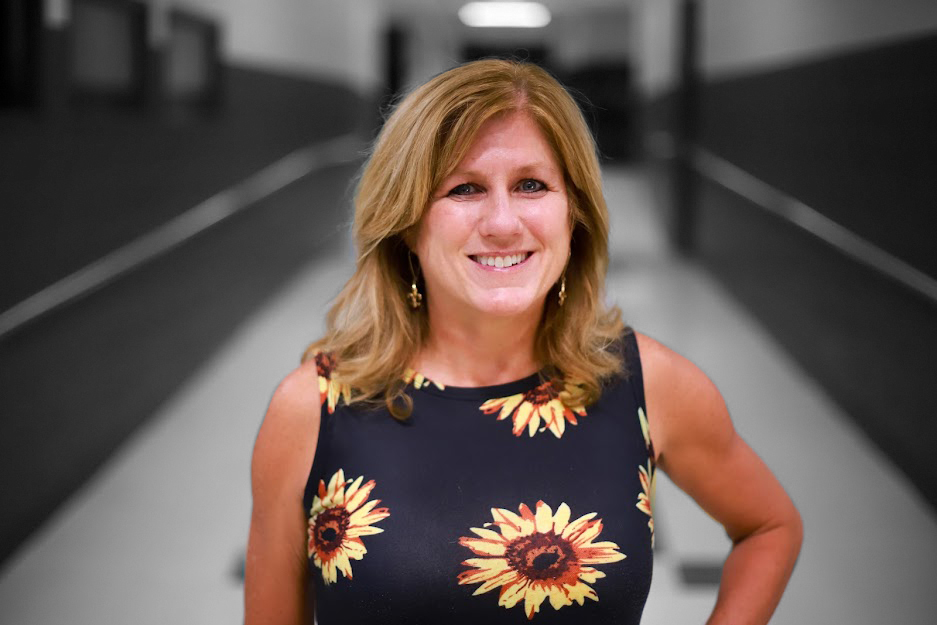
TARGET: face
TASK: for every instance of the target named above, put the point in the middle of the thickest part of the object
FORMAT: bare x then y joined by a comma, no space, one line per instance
495,238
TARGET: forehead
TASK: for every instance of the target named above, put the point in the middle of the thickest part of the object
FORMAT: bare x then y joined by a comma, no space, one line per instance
514,136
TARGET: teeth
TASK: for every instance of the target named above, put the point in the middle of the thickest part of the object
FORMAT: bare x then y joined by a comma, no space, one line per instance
501,261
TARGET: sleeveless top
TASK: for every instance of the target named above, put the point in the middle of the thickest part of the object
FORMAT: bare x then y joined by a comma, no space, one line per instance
488,505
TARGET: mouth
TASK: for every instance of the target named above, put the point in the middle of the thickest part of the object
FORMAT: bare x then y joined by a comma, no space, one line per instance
502,261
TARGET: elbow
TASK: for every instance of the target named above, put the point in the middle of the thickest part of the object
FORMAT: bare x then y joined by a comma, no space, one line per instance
784,532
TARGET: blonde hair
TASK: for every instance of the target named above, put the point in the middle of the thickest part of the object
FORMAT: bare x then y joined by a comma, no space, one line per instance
372,332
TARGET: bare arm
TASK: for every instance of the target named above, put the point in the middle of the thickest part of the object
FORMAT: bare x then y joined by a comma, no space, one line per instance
276,568
699,449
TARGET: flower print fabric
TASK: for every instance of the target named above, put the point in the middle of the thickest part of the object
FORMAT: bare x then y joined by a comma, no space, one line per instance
540,405
536,556
454,517
339,517
330,390
419,380
647,475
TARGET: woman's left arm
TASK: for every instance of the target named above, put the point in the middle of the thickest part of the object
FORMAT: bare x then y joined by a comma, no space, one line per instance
699,449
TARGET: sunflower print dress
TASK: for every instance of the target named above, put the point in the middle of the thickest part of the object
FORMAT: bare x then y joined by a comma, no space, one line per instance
492,505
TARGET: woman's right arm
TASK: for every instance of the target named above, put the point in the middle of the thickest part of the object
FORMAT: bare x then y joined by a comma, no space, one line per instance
276,565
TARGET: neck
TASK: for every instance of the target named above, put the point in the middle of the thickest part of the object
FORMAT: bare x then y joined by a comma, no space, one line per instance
480,353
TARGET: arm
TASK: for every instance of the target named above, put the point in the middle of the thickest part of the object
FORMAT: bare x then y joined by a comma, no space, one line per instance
275,573
699,449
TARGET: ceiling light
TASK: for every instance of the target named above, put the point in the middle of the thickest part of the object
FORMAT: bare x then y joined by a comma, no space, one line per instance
505,14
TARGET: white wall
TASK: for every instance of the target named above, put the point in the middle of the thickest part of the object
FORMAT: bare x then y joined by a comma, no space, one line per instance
336,39
746,35
656,45
594,36
741,36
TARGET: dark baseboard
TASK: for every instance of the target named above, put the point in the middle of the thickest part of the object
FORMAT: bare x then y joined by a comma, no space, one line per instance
852,137
75,383
868,341
81,184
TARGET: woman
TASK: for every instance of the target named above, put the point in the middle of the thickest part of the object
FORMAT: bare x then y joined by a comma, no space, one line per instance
476,437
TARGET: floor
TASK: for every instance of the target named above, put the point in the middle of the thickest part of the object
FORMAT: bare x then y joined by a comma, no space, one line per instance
158,535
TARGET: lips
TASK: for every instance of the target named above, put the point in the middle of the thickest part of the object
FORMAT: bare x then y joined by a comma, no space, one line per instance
501,261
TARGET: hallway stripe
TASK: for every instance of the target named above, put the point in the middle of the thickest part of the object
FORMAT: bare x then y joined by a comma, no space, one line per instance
278,175
778,203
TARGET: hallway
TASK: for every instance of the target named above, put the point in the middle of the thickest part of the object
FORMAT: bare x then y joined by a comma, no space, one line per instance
157,535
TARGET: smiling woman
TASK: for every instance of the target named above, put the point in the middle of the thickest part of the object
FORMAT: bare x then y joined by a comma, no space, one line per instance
491,160
477,298
505,201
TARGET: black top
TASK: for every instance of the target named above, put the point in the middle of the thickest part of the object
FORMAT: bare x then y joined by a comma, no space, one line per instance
489,505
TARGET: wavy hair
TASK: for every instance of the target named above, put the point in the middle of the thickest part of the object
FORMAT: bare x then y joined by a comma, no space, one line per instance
371,331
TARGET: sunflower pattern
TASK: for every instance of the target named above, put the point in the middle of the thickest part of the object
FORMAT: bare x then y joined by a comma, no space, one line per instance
647,475
537,556
540,405
330,391
419,380
339,517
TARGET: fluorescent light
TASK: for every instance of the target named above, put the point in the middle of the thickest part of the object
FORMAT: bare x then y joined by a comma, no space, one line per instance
505,14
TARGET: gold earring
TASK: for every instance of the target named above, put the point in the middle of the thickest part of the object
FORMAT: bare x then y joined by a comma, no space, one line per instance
415,297
562,294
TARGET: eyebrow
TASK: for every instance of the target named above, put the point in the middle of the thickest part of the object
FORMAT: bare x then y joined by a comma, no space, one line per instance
538,166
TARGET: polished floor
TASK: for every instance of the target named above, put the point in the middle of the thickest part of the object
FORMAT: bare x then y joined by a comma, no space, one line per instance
157,536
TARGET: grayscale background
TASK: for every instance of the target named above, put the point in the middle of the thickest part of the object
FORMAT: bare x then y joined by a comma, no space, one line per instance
175,184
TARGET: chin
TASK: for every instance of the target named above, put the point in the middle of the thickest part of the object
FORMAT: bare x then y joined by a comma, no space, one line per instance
507,304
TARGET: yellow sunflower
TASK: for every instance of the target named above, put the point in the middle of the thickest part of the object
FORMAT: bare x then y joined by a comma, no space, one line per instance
329,390
537,556
538,405
339,517
419,381
648,477
646,431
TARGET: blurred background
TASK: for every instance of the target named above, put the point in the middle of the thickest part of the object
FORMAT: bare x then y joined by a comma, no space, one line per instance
175,180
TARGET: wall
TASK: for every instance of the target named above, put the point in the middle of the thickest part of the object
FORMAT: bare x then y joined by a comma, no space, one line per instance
80,182
741,36
656,50
830,103
323,39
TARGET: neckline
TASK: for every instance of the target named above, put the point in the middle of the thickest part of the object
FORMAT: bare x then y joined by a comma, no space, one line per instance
503,389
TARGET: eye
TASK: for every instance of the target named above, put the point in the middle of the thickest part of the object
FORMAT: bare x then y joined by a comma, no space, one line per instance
531,186
463,189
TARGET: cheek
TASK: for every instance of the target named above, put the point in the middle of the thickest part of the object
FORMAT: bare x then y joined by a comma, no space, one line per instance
551,223
442,228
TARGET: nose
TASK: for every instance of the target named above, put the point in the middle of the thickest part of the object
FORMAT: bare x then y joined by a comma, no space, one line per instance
499,217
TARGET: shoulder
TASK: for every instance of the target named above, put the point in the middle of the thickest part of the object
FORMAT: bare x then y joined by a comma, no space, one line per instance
663,366
285,444
297,400
685,409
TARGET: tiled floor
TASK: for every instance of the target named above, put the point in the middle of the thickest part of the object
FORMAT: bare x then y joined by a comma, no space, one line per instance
157,535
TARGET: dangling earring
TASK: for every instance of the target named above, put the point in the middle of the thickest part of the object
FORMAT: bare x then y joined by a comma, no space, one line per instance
415,297
562,294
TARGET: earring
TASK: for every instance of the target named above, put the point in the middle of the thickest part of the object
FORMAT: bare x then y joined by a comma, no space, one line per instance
562,294
415,297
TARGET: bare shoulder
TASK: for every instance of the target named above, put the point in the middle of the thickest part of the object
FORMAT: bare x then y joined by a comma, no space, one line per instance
285,445
275,569
700,450
684,406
